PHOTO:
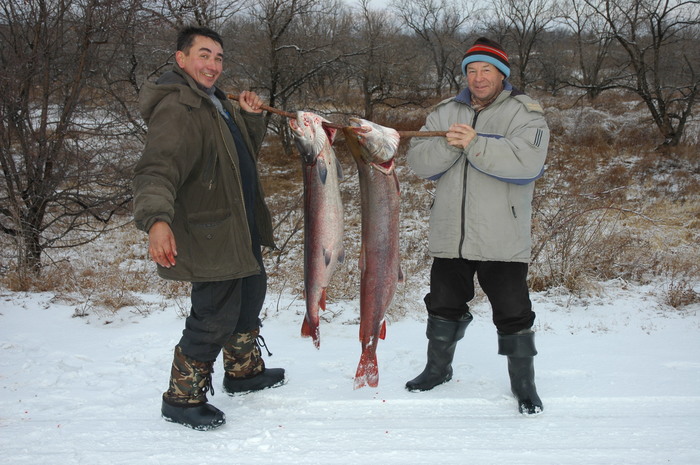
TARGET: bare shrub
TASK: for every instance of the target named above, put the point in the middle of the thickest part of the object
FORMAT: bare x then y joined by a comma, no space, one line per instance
610,207
681,293
579,240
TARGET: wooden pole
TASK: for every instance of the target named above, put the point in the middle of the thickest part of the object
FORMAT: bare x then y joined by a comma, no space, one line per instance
402,134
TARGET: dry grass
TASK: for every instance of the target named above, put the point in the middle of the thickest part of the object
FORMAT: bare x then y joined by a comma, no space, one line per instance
609,207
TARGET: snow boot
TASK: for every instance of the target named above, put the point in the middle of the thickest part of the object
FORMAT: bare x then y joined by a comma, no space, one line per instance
244,366
520,350
442,337
185,401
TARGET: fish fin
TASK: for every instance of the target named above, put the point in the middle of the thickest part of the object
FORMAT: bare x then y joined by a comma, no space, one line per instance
322,299
367,371
327,255
382,330
330,133
341,255
361,262
305,328
401,278
339,170
322,170
307,331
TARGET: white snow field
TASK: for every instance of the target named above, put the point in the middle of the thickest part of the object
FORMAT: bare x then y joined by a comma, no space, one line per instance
619,375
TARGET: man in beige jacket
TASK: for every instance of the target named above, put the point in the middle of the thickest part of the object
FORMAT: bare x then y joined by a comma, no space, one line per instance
484,170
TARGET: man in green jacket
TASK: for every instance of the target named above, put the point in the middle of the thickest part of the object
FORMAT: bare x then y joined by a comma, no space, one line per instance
197,194
485,169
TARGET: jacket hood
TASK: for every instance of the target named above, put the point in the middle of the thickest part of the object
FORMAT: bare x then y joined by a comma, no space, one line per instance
173,81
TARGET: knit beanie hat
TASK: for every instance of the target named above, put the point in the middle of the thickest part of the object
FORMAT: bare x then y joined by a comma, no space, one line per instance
489,51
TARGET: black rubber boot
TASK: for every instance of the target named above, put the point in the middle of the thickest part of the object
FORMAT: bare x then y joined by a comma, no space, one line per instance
520,350
244,366
442,337
185,401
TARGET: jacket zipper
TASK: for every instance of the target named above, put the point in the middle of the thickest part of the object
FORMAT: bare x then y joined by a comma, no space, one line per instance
463,232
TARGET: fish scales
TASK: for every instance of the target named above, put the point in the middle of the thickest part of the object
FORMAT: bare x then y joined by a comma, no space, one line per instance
373,147
323,214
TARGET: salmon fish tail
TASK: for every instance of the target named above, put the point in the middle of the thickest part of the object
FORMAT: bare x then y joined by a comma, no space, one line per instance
367,370
309,327
312,331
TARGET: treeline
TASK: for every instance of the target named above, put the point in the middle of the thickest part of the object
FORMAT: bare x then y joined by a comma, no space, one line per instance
70,72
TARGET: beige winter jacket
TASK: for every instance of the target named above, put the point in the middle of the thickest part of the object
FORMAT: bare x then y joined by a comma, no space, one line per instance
482,207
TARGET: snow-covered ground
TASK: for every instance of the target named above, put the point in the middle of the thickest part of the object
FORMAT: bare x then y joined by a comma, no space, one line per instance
619,375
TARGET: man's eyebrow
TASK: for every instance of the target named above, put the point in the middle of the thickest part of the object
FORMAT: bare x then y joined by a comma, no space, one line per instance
204,49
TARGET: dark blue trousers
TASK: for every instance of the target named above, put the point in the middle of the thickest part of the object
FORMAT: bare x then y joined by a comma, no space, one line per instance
220,309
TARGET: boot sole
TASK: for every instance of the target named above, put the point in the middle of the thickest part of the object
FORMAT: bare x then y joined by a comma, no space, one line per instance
199,418
525,410
194,427
420,389
242,393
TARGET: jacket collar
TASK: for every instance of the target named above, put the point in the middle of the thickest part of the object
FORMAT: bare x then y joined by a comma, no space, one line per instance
177,76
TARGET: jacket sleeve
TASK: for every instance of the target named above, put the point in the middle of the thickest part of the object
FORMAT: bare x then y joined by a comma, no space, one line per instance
518,156
256,129
165,163
430,157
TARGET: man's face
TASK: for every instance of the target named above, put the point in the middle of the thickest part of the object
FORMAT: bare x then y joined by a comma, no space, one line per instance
484,80
203,61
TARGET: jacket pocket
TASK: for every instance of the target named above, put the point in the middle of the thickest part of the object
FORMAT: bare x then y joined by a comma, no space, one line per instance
520,210
213,249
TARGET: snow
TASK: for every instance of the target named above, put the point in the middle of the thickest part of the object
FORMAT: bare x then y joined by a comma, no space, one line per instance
618,372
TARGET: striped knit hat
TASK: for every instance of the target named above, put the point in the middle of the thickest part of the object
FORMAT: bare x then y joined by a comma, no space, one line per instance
488,51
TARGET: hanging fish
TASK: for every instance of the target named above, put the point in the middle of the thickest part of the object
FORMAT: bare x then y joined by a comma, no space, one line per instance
373,147
323,214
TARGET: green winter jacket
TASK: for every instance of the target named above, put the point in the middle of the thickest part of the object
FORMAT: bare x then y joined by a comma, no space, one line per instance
483,197
188,176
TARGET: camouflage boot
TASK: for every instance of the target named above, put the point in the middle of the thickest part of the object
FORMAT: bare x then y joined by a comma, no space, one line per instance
185,401
245,368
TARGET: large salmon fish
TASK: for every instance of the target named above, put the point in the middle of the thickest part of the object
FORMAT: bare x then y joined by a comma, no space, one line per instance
323,214
373,147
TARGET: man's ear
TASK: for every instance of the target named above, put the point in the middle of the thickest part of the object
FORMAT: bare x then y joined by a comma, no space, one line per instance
179,58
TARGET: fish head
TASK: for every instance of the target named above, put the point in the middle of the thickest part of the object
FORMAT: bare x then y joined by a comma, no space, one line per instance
379,143
310,136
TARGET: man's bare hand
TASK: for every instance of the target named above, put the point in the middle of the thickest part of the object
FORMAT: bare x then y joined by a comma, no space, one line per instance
250,102
460,135
161,244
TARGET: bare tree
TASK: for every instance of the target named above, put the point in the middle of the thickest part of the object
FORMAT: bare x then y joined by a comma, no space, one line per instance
283,48
387,71
519,24
63,155
596,70
440,26
179,13
553,65
660,38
